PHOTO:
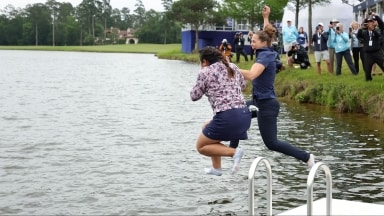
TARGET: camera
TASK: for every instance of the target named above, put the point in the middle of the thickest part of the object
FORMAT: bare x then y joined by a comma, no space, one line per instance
337,28
370,13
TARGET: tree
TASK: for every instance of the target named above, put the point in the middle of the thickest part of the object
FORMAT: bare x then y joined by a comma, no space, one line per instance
139,16
166,17
153,30
250,10
300,4
196,13
41,24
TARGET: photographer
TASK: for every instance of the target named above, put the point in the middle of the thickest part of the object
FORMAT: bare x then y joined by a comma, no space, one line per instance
226,49
331,42
372,43
342,49
239,44
298,55
319,41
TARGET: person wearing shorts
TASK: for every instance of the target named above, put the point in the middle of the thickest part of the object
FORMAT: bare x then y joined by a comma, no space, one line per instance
222,82
319,40
290,35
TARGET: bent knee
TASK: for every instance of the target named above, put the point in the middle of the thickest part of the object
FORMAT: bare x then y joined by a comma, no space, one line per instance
271,146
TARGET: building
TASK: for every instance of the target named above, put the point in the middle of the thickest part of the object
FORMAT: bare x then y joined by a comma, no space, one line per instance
363,7
213,35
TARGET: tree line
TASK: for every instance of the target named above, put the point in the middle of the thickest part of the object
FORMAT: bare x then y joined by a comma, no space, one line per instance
96,22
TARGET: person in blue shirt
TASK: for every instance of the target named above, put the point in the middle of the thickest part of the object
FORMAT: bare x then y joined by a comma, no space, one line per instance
331,42
302,38
262,74
319,41
290,35
342,49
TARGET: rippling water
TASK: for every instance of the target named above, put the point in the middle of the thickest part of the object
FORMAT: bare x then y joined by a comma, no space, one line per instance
107,134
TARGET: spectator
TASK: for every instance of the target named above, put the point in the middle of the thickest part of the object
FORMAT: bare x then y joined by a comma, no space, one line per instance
331,42
302,38
250,34
373,53
239,45
226,49
298,55
342,49
319,41
356,45
377,25
289,36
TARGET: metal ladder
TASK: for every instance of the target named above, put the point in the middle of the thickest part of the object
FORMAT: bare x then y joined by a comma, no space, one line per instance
310,182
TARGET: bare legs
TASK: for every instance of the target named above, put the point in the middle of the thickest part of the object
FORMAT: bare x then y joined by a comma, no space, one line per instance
213,149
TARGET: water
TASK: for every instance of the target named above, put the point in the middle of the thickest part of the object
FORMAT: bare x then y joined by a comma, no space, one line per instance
114,134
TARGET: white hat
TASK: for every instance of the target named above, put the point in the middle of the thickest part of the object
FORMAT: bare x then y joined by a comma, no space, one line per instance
334,20
224,41
320,24
289,20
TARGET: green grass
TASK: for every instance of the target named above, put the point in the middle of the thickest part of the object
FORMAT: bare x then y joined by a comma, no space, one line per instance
345,93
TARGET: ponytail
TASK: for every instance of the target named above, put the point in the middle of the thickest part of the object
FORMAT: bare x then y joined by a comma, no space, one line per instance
213,55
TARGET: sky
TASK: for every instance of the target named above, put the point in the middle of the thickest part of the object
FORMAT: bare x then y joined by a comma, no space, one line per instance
148,4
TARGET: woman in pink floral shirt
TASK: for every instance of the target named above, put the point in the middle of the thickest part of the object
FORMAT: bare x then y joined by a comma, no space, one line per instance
222,83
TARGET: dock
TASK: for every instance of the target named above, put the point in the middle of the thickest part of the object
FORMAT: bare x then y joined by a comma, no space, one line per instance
323,206
339,207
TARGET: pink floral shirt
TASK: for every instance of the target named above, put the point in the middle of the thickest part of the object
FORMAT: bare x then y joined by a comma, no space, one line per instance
223,93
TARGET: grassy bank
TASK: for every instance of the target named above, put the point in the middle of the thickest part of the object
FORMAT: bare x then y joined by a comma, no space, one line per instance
345,93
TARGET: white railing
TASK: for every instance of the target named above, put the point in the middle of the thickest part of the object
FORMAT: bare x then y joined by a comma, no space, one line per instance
251,176
310,181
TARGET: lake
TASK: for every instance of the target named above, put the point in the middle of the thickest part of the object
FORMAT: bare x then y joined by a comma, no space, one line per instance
114,134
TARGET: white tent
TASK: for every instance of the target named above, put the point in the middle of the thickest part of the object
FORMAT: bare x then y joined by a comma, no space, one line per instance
324,14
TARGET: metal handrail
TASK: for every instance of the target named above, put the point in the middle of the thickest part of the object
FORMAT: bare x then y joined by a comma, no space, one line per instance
251,176
310,181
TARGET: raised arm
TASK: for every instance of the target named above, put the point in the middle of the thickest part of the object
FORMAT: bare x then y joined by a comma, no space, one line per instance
265,12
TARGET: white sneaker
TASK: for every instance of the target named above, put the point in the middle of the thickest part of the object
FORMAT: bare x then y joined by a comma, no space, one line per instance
213,171
236,160
311,161
253,108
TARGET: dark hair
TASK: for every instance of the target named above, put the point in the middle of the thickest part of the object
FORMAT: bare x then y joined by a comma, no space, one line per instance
267,35
213,55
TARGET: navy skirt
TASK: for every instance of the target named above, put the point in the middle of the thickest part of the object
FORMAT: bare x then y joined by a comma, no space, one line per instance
229,125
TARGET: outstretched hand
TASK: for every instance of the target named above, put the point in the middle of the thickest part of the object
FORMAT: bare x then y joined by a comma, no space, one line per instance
266,11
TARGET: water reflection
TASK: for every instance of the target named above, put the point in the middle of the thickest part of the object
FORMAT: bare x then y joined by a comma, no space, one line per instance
102,133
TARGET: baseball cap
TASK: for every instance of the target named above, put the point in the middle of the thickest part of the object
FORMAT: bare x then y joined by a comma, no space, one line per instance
224,41
289,20
369,19
334,20
320,24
